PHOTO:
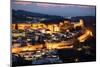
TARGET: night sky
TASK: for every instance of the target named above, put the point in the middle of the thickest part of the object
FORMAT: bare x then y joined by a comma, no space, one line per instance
55,9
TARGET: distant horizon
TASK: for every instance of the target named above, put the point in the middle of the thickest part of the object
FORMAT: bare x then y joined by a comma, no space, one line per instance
64,10
49,14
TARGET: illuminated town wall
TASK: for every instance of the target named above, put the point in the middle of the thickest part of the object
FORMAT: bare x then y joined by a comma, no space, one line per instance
51,27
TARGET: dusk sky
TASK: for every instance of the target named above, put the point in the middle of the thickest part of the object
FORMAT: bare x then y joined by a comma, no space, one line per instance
55,9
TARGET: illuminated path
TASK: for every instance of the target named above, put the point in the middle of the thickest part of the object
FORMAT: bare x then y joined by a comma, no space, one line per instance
60,45
36,47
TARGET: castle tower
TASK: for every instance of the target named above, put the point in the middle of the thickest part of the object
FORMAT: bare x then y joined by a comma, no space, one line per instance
81,23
